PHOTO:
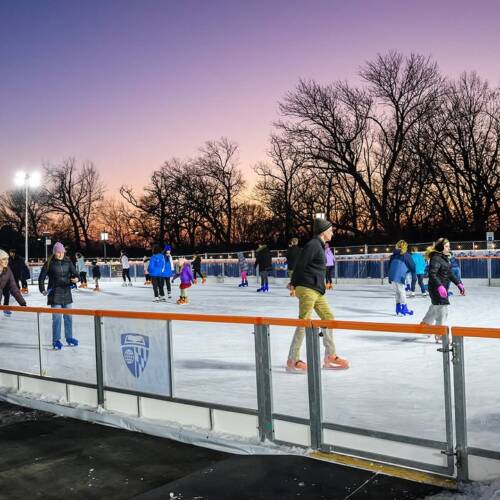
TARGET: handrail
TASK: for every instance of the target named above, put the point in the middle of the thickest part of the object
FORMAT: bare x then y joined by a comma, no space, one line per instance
413,328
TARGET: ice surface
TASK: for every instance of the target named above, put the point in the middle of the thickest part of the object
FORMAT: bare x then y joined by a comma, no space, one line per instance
395,382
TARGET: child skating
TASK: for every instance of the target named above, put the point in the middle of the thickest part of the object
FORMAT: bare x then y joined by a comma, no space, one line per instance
186,276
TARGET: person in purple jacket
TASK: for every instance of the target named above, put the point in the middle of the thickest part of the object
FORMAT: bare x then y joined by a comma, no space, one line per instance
330,265
186,276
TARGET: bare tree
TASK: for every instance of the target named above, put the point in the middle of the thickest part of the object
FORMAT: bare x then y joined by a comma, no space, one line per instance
76,193
13,211
221,184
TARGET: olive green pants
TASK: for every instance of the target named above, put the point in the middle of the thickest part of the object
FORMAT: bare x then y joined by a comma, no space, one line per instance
310,300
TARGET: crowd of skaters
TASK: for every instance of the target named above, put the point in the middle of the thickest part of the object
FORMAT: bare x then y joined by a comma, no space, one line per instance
310,272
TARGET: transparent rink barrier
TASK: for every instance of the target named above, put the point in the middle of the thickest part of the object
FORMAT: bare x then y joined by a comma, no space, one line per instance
19,343
214,363
482,391
136,355
71,363
395,385
394,391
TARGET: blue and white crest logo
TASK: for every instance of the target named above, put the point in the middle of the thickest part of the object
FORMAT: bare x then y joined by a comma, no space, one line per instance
135,350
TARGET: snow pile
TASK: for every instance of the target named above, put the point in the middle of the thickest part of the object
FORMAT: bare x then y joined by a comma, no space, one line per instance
474,491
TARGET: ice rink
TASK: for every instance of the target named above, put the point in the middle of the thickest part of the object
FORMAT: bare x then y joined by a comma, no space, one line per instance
395,382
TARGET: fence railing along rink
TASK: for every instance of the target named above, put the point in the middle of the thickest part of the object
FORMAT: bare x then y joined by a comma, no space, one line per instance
373,267
430,432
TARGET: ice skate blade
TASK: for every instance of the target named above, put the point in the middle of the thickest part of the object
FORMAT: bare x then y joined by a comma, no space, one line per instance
330,367
293,370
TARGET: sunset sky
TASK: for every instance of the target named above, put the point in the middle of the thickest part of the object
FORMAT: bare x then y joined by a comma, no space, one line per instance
128,84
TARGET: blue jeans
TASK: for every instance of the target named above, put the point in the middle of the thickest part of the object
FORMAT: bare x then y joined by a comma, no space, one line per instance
56,323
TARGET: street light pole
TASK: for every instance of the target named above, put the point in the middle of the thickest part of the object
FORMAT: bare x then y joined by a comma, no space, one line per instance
26,180
26,183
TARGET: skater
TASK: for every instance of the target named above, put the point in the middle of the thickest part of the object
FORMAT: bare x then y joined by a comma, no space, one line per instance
168,269
400,264
125,268
81,269
330,265
186,277
243,268
96,274
419,261
292,254
265,264
455,269
155,270
440,275
8,283
309,282
62,274
196,264
19,270
145,264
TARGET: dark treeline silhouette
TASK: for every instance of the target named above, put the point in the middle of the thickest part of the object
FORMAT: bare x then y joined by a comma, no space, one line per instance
407,153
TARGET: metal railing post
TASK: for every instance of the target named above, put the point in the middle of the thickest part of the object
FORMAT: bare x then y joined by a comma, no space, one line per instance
39,344
488,267
381,271
460,408
170,351
448,404
135,272
263,373
336,270
314,387
98,360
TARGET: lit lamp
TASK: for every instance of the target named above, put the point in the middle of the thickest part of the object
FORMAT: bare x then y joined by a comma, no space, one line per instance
104,238
33,180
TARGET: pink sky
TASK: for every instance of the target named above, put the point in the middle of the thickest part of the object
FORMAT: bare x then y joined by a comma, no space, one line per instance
129,84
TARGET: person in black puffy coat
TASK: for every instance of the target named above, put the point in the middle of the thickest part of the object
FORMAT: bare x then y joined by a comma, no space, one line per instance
264,262
62,276
440,275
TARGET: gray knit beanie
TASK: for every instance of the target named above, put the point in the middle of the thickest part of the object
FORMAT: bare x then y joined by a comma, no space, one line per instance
320,226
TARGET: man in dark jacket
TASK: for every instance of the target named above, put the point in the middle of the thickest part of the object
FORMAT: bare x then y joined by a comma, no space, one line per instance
8,283
19,270
292,255
196,266
309,282
62,275
264,262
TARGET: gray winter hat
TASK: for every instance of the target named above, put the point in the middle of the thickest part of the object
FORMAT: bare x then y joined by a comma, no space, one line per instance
320,226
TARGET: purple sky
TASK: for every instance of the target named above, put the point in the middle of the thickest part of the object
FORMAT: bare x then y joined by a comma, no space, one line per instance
128,84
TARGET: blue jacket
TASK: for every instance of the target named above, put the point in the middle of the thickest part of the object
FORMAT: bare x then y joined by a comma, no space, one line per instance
167,267
156,265
399,266
419,261
454,262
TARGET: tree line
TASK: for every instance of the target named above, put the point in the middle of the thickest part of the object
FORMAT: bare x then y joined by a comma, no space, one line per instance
405,153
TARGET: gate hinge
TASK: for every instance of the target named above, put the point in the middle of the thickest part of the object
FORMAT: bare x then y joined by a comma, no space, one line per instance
449,453
446,349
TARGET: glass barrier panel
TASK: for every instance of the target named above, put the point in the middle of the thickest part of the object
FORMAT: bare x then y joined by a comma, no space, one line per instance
72,363
394,384
215,363
289,389
482,392
19,342
136,355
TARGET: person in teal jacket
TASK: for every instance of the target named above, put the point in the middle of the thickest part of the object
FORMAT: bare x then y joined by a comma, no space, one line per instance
419,261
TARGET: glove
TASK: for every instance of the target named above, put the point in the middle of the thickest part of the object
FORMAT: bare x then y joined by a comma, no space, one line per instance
44,292
24,305
461,288
442,292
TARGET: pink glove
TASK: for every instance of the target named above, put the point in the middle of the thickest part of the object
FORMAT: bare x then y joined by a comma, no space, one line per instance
461,288
442,292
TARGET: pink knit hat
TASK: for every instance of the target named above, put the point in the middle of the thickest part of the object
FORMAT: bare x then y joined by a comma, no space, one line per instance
58,247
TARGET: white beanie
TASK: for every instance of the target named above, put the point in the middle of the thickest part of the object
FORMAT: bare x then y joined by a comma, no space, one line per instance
3,254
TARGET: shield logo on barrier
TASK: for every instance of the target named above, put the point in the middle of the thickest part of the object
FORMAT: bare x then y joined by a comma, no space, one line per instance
135,350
